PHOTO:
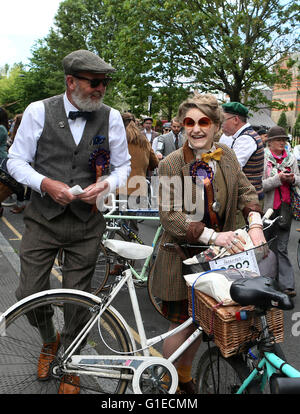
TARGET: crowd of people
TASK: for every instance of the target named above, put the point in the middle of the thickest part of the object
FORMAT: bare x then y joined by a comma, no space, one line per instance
75,139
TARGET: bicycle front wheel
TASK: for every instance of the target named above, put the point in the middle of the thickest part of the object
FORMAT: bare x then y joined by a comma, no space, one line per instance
67,313
218,375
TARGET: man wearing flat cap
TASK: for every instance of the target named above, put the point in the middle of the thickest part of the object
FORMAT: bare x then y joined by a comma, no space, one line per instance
65,141
147,130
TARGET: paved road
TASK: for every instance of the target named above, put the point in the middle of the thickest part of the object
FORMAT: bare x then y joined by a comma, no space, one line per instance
11,230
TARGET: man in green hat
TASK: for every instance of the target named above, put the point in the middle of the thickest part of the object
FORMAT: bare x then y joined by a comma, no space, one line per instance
71,149
246,143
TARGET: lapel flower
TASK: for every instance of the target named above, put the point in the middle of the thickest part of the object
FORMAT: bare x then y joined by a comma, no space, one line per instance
202,170
99,161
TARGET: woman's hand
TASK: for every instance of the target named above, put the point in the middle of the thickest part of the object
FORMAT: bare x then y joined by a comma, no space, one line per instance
257,236
231,241
286,177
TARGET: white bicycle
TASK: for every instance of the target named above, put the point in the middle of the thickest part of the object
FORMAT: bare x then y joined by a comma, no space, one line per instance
97,343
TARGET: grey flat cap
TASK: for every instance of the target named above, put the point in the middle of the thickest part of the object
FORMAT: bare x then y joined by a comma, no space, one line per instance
85,61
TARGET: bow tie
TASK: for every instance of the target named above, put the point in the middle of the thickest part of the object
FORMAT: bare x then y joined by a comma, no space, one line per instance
76,114
216,155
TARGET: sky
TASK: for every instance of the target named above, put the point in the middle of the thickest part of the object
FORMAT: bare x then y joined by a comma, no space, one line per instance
22,23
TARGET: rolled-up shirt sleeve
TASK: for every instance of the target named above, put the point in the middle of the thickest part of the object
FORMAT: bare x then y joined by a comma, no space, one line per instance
119,155
22,152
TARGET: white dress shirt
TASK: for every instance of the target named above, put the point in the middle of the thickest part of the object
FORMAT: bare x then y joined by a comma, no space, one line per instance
243,146
23,150
226,139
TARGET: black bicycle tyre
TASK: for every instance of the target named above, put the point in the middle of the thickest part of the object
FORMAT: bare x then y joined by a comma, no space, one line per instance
101,272
234,365
21,345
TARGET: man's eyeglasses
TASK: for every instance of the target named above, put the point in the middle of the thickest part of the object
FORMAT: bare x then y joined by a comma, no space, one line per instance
95,81
226,119
203,122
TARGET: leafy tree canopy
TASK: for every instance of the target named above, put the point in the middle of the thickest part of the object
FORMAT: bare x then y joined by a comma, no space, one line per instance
167,48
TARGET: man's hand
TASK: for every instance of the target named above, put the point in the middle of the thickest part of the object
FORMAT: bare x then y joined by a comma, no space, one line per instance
93,191
57,190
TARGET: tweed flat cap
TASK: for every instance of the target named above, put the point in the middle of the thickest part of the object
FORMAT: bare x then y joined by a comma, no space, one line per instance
276,132
235,108
85,61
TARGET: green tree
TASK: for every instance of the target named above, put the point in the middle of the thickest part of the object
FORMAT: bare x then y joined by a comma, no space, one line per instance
166,48
222,45
282,121
12,89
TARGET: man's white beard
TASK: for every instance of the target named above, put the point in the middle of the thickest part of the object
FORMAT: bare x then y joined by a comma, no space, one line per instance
86,104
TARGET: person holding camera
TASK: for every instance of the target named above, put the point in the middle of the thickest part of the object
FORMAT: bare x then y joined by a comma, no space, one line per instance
280,174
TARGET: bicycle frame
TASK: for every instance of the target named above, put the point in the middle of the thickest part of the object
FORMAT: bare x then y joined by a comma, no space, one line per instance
142,276
270,364
145,343
129,366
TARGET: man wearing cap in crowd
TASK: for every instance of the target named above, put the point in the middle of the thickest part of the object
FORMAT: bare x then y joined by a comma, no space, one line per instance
148,131
61,142
247,145
171,141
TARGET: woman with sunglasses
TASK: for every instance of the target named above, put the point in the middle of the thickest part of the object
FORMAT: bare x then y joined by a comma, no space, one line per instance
201,164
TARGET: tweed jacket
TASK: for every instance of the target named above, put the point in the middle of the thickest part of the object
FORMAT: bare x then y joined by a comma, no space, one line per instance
167,143
168,282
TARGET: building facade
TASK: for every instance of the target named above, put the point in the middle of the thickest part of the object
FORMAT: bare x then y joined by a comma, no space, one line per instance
290,95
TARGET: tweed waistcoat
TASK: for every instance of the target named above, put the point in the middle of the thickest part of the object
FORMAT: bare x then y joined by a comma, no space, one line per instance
59,158
255,165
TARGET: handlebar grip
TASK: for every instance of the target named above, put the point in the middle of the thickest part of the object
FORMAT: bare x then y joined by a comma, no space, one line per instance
267,214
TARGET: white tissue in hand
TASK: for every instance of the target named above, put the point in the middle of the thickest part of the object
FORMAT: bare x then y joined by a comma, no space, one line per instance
76,190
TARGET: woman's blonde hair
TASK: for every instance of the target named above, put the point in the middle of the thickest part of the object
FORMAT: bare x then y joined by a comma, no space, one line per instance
206,103
133,134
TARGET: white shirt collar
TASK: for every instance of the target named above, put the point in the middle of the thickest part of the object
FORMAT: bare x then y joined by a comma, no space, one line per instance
68,106
240,130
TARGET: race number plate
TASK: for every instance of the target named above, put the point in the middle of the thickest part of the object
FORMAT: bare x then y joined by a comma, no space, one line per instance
245,260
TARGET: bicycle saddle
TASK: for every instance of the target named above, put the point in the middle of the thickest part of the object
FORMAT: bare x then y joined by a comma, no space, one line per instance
128,250
261,292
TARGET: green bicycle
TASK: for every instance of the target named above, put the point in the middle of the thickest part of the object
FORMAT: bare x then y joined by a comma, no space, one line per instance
263,362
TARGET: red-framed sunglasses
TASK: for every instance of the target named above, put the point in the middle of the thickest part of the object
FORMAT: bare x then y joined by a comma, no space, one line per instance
203,122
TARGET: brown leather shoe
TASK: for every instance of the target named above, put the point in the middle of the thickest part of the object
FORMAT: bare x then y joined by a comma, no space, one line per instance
47,355
69,385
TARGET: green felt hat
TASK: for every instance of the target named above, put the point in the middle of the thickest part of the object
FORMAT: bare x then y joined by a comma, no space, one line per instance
235,108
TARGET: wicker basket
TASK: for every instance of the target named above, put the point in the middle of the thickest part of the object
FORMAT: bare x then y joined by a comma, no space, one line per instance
228,333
